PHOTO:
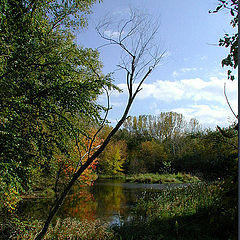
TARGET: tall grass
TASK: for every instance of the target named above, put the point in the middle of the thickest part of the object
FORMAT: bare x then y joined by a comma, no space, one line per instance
69,229
162,178
174,213
178,201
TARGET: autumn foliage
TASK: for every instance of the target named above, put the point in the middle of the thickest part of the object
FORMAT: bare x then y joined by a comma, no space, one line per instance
78,155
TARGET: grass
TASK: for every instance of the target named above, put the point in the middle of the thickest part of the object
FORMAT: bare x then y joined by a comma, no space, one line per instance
108,176
178,213
179,201
69,229
162,178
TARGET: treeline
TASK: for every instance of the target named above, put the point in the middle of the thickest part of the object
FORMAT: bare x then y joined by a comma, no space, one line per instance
168,143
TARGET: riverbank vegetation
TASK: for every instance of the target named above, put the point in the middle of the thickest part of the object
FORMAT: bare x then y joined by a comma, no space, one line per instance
196,211
68,228
193,211
162,178
154,178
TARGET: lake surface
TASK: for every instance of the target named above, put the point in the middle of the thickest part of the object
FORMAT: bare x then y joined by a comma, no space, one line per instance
107,200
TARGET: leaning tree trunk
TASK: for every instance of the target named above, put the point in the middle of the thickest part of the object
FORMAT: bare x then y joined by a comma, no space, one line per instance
137,29
76,175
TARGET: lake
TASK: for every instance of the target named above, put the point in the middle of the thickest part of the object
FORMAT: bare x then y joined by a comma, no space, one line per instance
108,200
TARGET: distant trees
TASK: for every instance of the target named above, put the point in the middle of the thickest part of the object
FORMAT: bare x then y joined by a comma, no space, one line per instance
161,127
113,158
169,143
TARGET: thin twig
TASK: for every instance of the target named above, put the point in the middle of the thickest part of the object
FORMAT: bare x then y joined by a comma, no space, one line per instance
228,102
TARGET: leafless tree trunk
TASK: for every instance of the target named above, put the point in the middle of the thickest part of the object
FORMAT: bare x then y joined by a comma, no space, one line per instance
135,36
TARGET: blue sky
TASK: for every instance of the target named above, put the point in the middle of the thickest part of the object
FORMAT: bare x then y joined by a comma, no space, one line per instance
189,79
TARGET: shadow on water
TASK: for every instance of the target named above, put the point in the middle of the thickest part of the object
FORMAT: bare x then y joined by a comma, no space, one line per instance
108,200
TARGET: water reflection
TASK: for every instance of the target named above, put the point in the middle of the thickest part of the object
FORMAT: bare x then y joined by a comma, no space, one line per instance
109,201
80,204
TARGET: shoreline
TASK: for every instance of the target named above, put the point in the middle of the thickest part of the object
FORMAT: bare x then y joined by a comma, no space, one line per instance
152,178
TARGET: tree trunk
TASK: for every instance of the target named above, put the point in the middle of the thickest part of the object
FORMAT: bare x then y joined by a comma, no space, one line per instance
76,175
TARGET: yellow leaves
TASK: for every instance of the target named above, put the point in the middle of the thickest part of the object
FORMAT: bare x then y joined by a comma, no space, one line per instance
10,198
113,157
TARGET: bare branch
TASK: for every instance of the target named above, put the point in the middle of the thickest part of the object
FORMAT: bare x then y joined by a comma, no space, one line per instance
228,102
80,161
103,122
141,57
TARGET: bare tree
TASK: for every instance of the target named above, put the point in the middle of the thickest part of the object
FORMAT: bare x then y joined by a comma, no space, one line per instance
136,37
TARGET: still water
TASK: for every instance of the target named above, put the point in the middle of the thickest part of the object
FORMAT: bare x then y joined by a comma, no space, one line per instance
107,200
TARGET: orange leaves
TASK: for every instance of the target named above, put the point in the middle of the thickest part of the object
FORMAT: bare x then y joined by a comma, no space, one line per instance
79,153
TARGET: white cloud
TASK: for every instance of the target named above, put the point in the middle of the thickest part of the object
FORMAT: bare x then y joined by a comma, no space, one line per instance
122,11
175,73
195,98
184,70
209,115
112,34
203,58
188,89
193,90
222,74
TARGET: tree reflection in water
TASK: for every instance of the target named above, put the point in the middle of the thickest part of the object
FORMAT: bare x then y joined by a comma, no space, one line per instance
110,201
99,201
81,204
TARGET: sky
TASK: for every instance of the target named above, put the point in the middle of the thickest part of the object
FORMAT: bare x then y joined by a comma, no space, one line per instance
189,79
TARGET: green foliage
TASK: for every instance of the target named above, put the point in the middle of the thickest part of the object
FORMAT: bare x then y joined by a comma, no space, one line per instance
153,155
162,178
208,154
149,156
179,201
178,213
164,126
170,144
113,157
9,195
48,86
119,176
230,42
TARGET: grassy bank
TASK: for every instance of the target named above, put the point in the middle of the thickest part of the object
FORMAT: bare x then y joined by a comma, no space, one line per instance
190,212
162,178
154,178
108,176
179,201
69,228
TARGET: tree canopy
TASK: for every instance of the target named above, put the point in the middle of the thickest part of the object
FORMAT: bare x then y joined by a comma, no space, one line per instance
230,41
48,85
